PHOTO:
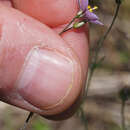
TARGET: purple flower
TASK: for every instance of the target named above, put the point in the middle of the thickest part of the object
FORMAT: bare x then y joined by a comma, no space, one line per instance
88,12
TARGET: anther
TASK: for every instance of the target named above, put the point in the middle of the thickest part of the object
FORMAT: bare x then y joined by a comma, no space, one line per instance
91,9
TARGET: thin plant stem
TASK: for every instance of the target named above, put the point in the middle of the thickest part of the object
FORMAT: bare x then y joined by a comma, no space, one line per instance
92,68
66,28
123,115
99,45
101,41
27,121
29,116
84,118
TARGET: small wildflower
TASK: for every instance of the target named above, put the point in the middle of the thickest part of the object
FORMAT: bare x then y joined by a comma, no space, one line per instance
88,12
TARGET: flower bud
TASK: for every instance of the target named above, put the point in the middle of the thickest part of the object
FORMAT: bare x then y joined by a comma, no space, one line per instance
79,14
78,24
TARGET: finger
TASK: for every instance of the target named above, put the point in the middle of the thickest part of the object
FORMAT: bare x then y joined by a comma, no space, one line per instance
39,71
50,12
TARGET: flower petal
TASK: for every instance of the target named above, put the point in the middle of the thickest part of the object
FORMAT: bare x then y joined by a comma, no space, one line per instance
96,22
83,4
91,16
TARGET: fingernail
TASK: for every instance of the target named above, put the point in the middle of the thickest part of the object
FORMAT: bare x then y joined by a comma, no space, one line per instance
46,78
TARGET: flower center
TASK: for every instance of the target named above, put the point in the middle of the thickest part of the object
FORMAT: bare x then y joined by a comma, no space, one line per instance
91,9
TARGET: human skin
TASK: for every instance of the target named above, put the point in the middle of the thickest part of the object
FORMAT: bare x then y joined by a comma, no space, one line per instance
41,71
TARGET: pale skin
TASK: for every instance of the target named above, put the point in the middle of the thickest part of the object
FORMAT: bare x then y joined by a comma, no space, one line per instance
41,71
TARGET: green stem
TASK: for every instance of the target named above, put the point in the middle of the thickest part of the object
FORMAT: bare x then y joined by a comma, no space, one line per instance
84,118
92,69
101,41
99,45
66,28
29,116
27,120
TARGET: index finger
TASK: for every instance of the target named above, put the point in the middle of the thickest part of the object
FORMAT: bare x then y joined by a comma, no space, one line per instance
50,12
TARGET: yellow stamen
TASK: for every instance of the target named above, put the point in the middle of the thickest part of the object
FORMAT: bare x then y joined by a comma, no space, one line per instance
95,7
91,9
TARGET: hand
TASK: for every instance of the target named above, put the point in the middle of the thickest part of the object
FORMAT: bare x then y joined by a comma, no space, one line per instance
41,71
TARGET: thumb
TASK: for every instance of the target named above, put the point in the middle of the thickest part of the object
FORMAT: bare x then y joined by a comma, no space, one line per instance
39,71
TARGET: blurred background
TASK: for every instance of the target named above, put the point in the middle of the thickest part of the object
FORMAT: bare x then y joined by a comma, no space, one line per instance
102,108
